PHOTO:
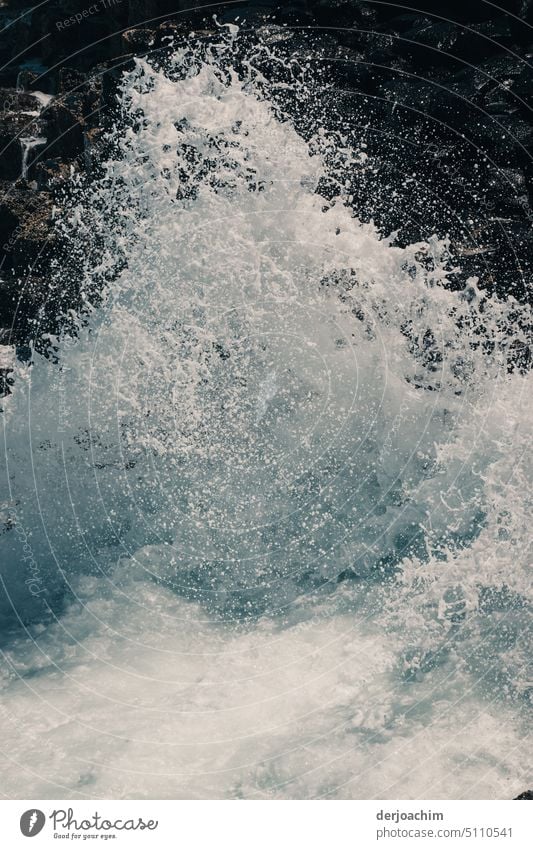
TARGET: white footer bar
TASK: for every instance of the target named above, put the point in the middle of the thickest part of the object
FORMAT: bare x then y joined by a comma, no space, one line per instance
267,824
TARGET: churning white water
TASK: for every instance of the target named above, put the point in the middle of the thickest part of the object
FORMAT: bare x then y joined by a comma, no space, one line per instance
266,522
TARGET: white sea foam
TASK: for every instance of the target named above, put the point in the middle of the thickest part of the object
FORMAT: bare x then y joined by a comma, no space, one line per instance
282,475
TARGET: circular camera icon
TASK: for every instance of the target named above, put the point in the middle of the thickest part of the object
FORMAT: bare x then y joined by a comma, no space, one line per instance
32,822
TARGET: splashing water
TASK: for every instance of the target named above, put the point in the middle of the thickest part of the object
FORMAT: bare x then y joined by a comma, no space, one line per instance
272,495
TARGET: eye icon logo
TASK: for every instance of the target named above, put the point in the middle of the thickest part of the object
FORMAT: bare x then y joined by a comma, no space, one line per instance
32,822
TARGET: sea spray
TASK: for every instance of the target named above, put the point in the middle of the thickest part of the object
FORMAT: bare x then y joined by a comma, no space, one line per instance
276,418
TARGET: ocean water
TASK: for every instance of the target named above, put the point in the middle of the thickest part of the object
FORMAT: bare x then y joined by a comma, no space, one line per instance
265,526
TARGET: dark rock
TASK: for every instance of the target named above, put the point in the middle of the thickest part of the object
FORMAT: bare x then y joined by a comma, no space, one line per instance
521,87
139,40
15,101
168,30
50,174
36,236
16,37
441,43
25,226
527,794
103,81
26,79
340,13
443,107
457,10
145,11
93,139
65,126
79,34
70,80
19,123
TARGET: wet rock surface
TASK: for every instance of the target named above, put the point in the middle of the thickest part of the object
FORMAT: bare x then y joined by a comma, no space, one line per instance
442,101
